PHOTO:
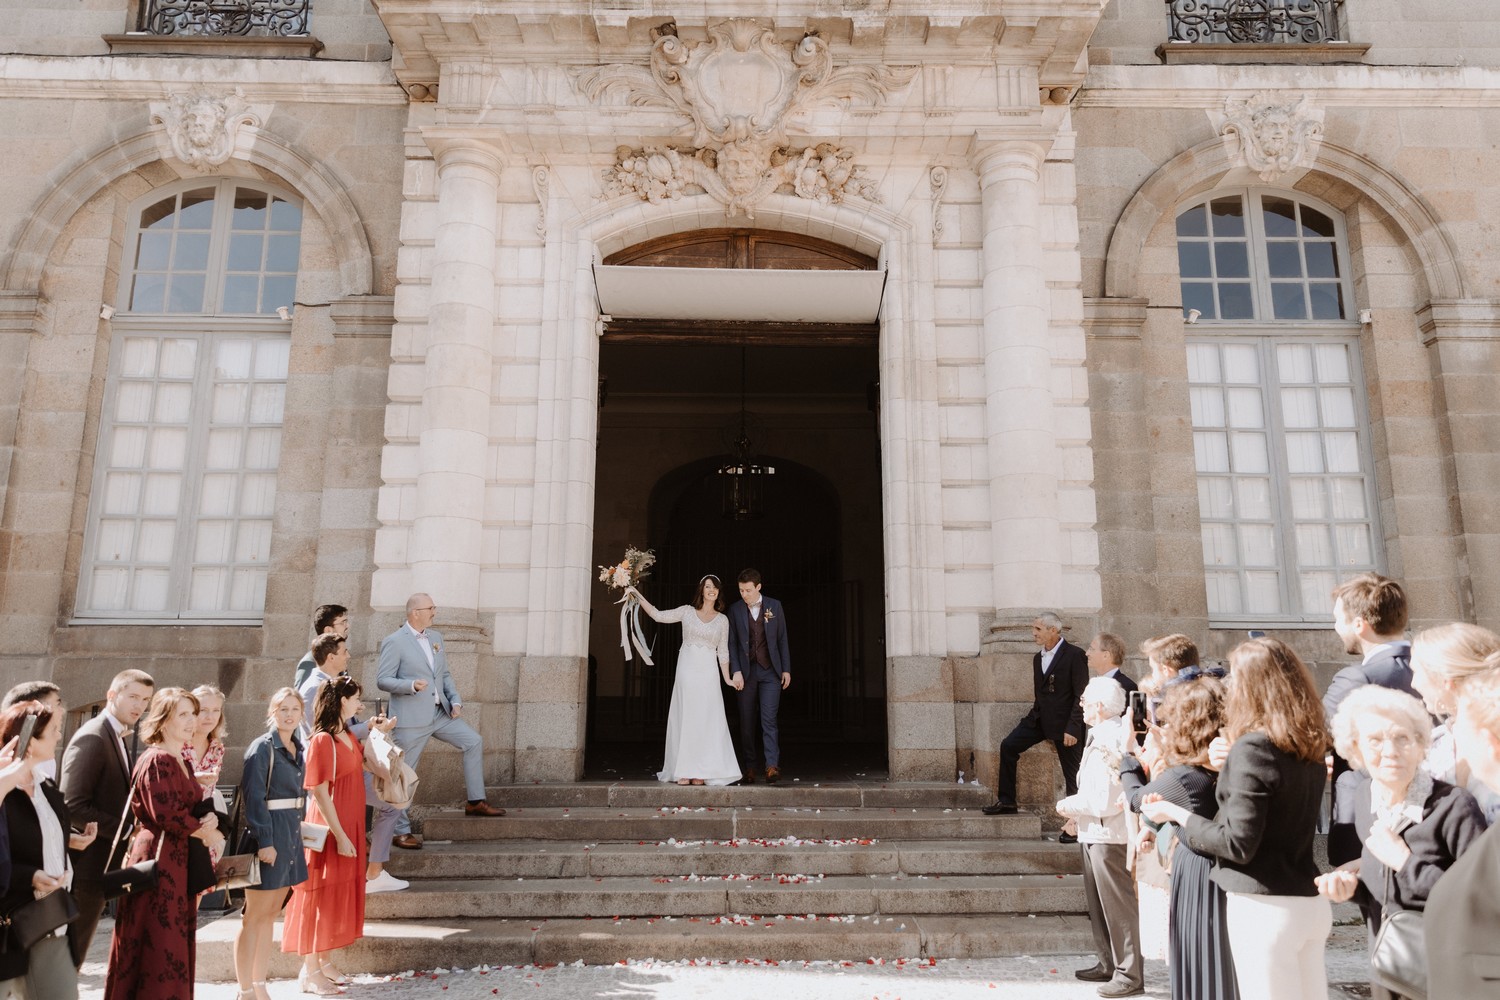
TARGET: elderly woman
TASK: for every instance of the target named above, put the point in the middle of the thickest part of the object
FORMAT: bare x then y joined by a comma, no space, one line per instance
1269,795
1413,827
1463,910
1441,658
1100,817
1191,713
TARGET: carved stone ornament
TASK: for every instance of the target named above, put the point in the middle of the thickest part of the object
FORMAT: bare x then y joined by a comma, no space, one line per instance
1275,136
202,126
739,90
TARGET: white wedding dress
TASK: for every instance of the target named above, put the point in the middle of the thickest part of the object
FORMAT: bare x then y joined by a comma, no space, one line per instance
698,744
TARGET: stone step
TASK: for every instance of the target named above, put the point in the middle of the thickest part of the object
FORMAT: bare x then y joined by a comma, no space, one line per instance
640,825
682,896
394,947
556,860
828,794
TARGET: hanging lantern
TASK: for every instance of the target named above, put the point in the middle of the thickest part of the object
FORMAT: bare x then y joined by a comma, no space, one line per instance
744,482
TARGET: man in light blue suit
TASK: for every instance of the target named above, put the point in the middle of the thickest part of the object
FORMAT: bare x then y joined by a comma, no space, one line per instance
414,672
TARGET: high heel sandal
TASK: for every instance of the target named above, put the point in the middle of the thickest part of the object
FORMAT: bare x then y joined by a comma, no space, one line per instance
334,975
323,987
259,988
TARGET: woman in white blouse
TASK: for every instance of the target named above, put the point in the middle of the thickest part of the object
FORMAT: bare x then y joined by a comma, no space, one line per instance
37,822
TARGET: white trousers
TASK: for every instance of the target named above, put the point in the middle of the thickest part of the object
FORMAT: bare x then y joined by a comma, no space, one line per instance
1278,943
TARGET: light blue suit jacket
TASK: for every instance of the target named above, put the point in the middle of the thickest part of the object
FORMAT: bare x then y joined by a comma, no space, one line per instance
402,664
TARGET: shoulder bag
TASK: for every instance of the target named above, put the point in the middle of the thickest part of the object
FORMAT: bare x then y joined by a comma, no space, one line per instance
34,920
129,879
1398,961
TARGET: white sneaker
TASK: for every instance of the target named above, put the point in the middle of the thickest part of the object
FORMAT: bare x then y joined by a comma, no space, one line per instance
384,882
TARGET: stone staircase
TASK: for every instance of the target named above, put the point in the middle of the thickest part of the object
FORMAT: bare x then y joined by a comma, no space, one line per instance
605,871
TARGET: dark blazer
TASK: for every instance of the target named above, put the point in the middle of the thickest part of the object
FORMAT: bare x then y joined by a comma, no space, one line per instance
26,842
1463,950
1391,667
1262,836
1057,708
1138,719
95,784
739,637
1451,823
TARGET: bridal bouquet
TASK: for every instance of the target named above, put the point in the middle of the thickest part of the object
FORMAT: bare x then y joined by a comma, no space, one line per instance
629,572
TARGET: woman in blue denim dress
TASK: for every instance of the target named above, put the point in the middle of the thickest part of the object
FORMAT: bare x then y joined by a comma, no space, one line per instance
274,799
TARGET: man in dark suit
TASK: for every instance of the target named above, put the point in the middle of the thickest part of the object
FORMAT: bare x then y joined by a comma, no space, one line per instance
758,654
1059,673
413,670
1369,615
1106,655
328,619
95,785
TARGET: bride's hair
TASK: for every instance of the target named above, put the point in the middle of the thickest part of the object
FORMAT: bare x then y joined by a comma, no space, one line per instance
718,598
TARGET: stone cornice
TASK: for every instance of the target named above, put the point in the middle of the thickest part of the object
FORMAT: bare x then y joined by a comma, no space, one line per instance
19,311
1459,319
363,315
145,78
1113,318
1208,86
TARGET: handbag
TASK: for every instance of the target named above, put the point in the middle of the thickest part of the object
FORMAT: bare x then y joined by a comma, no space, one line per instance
401,787
314,836
237,871
1398,960
38,918
129,879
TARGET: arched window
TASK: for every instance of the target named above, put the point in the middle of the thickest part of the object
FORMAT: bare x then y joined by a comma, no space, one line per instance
1280,431
184,491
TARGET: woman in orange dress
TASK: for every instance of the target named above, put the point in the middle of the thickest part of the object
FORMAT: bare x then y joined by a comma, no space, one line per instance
327,911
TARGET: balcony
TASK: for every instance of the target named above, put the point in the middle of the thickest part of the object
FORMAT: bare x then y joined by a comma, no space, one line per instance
1257,31
270,28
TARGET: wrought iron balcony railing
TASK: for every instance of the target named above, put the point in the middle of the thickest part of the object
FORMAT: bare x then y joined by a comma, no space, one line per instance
1306,22
225,18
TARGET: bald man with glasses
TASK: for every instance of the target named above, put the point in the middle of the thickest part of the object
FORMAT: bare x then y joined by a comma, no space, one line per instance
414,672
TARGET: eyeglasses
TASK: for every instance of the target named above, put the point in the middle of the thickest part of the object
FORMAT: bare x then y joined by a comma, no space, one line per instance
1400,742
430,607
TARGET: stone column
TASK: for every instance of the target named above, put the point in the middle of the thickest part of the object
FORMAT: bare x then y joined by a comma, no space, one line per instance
455,413
1019,433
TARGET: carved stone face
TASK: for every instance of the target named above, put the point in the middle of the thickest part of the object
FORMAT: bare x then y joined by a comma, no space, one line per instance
1273,127
740,166
202,123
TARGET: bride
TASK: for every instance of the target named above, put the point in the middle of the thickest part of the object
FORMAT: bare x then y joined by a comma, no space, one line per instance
698,747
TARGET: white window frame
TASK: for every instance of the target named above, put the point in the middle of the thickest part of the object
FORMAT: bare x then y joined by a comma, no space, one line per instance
1265,335
208,329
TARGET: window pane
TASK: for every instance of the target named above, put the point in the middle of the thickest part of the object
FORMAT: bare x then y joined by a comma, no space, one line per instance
152,250
1279,216
1235,301
1215,498
258,496
179,358
1314,545
267,400
213,542
1263,593
154,543
285,217
1343,451
278,292
1294,363
1223,593
282,255
1255,498
163,494
116,542
232,359
1257,545
1327,300
1249,451
1241,364
249,210
1199,296
1245,408
1228,217
254,542
208,583
224,446
1317,596
129,447
148,293
248,590
1203,363
1192,260
1219,547
1288,300
1333,363
1307,499
197,210
264,449
1315,223
1285,260
159,216
1338,407
216,496
1304,453
174,402
229,403
149,590
168,448
1354,545
1321,260
1207,407
133,402
186,295
1193,222
1299,407
122,493
191,252
1211,451
138,357
272,357
1348,498
245,251
110,588
1231,260
242,293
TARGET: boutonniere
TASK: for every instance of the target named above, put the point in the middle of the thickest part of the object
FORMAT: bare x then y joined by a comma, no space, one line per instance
770,614
437,647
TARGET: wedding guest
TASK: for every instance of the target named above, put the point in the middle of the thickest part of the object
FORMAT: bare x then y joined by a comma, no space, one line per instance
271,789
46,692
1100,818
14,773
327,910
37,826
1462,921
1191,713
1269,795
1413,828
153,950
1441,659
328,619
96,784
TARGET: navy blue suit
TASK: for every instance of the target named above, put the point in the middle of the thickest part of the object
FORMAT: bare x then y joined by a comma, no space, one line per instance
762,692
1389,667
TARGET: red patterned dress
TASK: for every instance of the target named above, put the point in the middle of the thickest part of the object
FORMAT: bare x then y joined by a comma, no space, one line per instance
152,951
328,910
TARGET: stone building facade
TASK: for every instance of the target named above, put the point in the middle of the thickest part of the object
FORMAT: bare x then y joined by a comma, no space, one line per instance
1165,335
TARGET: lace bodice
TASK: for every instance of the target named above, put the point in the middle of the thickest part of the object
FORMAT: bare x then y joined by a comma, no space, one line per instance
712,634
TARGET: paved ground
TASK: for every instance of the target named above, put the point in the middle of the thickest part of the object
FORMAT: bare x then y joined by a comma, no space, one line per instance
1048,978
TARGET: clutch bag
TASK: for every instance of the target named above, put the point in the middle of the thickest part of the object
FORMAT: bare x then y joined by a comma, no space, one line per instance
314,836
238,871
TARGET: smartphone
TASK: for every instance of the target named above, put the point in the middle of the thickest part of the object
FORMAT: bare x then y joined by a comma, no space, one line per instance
1256,633
28,730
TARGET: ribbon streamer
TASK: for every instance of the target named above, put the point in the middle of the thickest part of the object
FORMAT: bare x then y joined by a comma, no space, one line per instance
630,629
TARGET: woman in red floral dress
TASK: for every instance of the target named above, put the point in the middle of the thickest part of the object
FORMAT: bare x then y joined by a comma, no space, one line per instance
152,951
327,912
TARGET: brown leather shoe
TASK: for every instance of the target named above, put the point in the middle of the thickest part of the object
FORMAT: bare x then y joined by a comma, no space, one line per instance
773,775
408,841
748,778
482,808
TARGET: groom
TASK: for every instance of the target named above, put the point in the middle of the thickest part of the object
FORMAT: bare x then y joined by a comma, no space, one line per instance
758,653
